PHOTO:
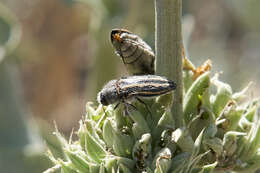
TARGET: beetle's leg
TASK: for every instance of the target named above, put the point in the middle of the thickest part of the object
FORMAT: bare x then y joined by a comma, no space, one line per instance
146,106
116,105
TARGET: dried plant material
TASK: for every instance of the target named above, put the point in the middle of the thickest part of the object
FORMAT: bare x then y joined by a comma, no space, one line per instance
206,66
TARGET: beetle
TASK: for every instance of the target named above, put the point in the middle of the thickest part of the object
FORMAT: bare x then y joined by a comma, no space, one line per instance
137,55
125,89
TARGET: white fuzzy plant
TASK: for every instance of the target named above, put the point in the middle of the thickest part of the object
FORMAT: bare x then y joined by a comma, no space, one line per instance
220,134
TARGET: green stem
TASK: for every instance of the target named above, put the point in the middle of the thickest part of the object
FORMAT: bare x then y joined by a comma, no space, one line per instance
168,48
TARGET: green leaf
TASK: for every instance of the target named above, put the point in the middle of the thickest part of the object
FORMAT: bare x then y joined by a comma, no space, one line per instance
130,164
166,120
187,79
233,115
162,160
183,139
214,144
102,168
192,97
210,131
142,149
108,132
78,162
140,126
94,149
253,142
110,163
230,141
251,113
124,168
93,168
123,144
66,167
241,94
209,168
90,111
179,162
120,118
197,144
222,97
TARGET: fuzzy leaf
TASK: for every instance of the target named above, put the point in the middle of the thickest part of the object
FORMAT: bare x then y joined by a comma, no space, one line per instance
209,168
166,120
241,94
197,144
120,117
251,113
165,101
102,168
187,79
179,162
110,163
183,139
244,124
66,167
230,141
108,132
222,97
130,164
90,111
123,144
78,162
162,160
94,149
233,116
210,131
214,144
142,148
124,168
94,168
140,126
253,142
192,99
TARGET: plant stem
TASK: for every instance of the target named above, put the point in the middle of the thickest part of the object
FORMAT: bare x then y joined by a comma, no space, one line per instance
168,48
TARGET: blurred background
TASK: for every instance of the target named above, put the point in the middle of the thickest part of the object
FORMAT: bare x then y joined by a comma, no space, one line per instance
55,55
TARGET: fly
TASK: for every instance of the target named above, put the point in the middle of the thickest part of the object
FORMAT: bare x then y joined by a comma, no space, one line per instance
134,87
137,55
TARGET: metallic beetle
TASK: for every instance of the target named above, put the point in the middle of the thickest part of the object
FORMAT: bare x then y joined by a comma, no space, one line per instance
137,55
127,88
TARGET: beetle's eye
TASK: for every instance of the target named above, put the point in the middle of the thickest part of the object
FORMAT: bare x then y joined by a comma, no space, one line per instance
114,35
117,37
103,100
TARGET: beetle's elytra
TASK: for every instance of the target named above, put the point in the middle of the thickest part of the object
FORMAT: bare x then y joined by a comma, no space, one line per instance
137,55
141,86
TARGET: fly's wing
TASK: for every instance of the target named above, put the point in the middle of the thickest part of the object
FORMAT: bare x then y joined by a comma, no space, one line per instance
137,55
145,86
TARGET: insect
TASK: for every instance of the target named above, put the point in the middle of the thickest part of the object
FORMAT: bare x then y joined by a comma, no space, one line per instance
137,55
134,87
